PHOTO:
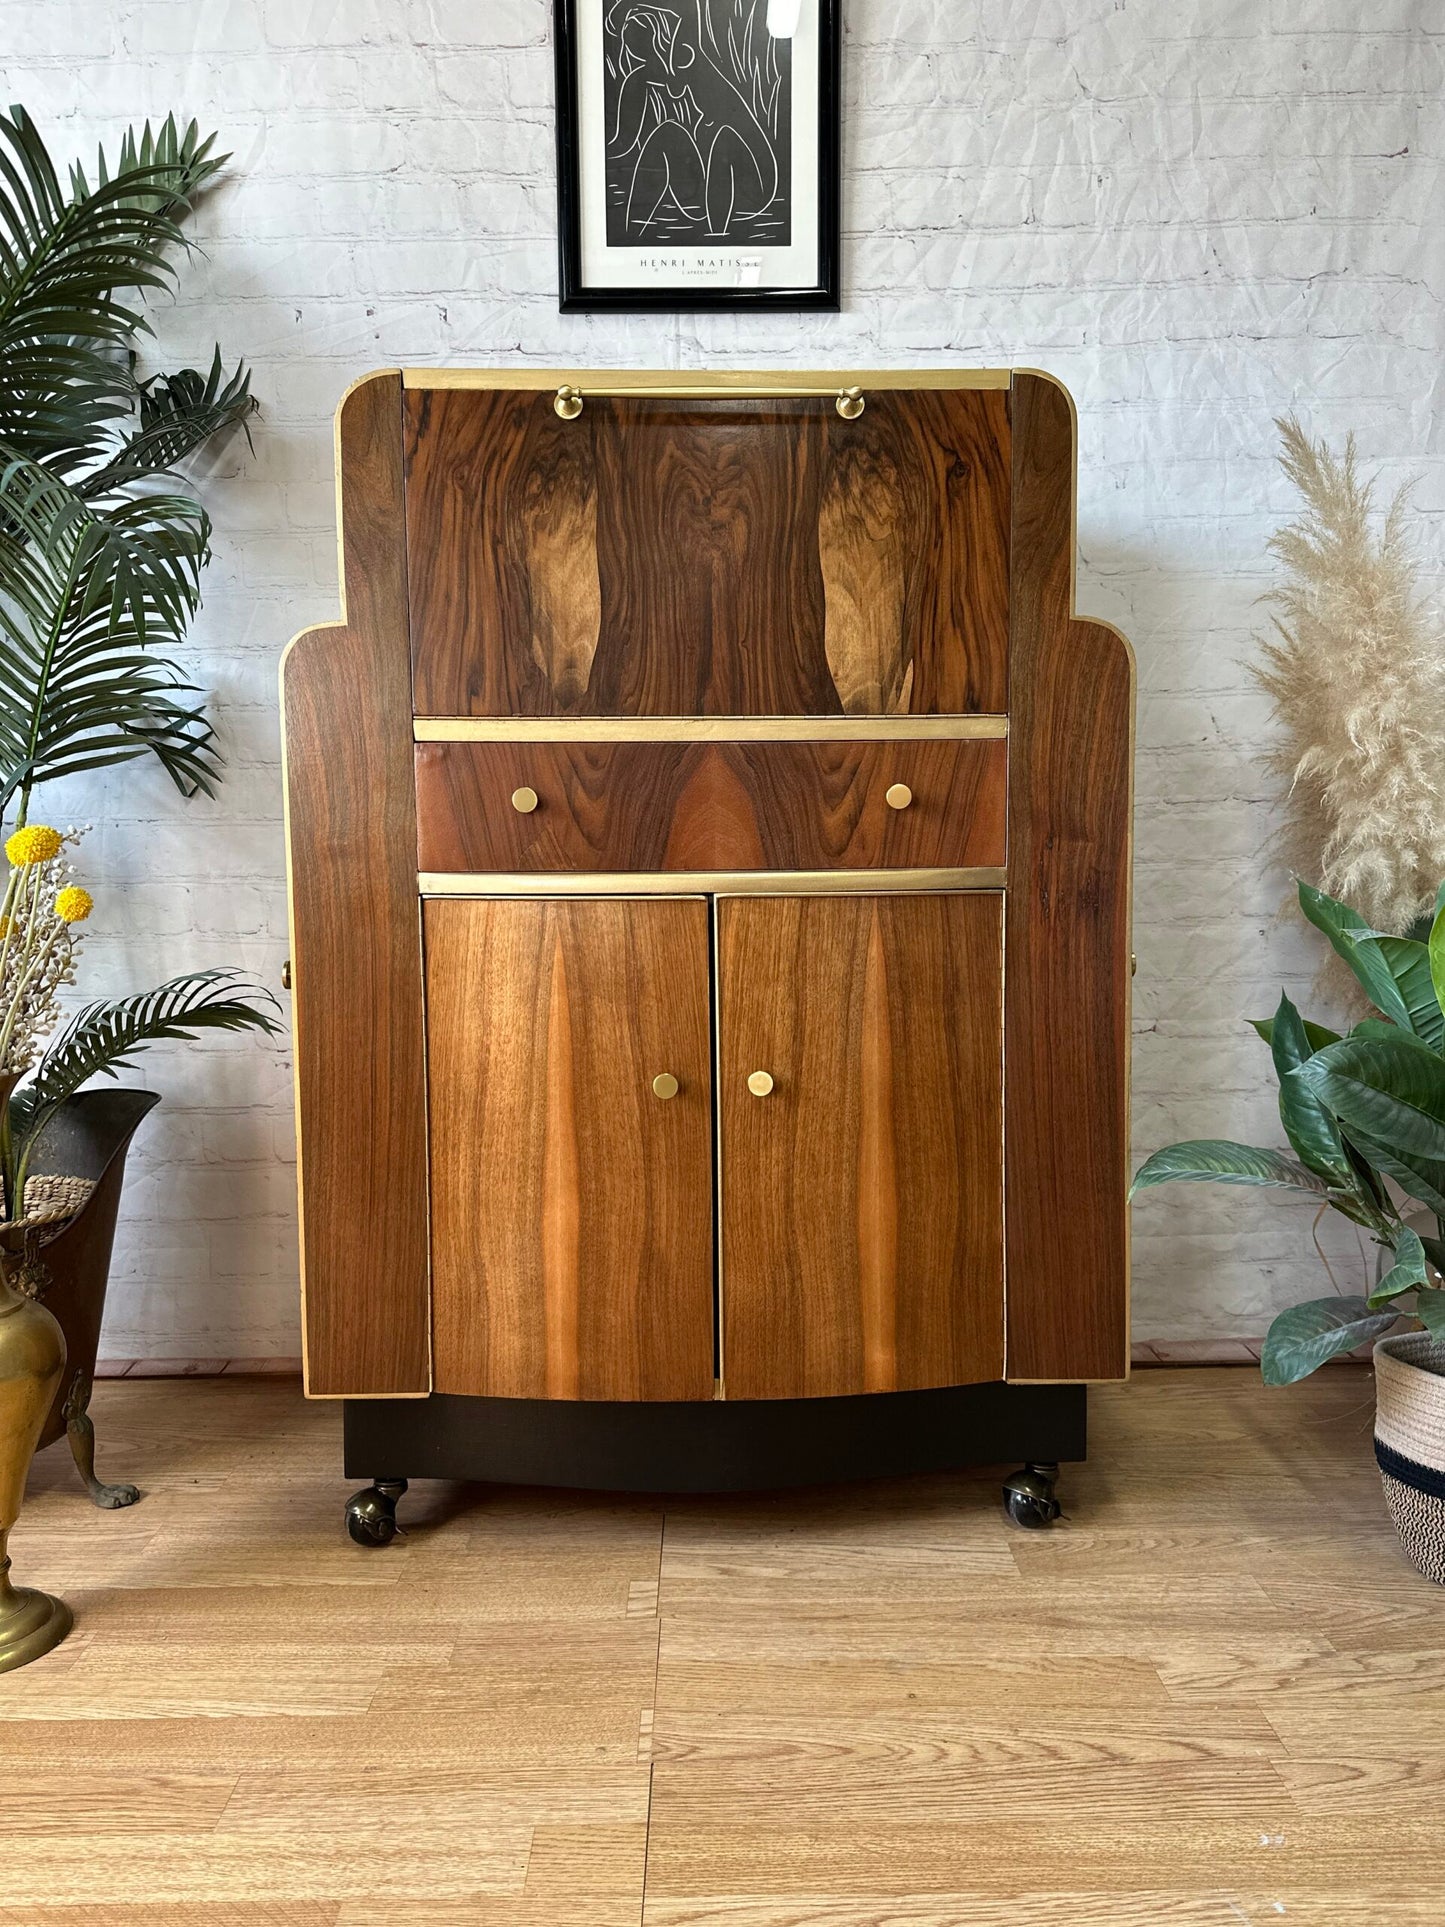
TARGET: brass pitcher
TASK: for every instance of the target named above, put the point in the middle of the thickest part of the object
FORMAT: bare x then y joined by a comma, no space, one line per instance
32,1358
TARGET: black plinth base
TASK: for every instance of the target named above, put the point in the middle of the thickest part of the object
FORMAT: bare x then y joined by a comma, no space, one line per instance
718,1446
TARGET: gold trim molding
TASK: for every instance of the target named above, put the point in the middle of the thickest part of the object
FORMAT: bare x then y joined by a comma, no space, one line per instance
704,729
725,883
700,383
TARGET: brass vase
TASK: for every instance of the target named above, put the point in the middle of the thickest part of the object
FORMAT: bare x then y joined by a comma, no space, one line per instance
32,1358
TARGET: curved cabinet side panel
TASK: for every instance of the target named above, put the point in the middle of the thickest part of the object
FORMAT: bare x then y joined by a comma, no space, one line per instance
356,942
1071,711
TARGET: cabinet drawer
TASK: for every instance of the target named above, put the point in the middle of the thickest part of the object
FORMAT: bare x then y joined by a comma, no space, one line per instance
709,806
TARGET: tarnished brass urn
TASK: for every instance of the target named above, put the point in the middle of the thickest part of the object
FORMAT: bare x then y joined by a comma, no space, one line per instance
32,1358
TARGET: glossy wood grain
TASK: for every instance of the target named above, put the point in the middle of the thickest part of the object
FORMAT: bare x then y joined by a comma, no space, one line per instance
1067,1020
709,806
571,1206
721,557
862,1237
356,941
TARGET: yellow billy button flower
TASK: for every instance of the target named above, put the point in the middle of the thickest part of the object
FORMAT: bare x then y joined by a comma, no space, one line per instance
36,843
74,905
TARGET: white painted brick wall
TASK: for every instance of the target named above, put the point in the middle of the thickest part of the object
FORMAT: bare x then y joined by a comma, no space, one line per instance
1198,214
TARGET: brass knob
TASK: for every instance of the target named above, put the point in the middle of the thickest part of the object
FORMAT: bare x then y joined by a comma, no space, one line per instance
286,974
567,402
664,1085
898,796
524,800
849,403
760,1083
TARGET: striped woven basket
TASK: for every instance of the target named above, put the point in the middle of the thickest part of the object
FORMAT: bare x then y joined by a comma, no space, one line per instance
1410,1443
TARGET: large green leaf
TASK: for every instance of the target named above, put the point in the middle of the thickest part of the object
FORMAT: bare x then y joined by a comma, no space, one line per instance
1318,1034
1436,950
1386,1091
1223,1162
1430,1310
1306,1336
1310,1128
1341,924
1407,1273
1408,963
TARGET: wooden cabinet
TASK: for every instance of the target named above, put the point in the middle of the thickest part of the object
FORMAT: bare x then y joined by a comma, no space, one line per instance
708,732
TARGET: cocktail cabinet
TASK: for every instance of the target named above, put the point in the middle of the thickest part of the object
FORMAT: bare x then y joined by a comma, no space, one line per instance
709,843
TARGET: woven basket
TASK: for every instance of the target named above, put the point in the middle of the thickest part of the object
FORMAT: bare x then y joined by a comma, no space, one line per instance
1410,1443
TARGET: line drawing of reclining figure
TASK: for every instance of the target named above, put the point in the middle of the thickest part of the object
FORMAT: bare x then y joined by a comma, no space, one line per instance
699,158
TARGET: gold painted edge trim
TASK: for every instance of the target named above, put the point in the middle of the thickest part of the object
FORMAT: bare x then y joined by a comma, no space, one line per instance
706,729
730,883
701,382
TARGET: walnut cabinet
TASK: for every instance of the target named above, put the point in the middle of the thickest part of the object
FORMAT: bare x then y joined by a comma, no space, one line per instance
709,836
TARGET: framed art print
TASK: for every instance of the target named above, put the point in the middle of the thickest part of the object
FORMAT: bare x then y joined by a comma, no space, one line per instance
697,153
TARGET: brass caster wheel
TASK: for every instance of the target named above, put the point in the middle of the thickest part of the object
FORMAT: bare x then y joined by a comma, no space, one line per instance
371,1515
1028,1497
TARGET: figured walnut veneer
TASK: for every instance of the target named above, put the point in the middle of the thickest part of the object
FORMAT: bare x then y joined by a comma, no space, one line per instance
571,1206
862,1196
356,942
710,806
933,1190
728,557
1066,931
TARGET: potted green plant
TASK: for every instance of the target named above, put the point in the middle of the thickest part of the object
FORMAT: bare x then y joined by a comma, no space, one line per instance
102,547
1364,1115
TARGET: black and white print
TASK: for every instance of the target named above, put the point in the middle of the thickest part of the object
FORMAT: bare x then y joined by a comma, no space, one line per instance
697,144
698,97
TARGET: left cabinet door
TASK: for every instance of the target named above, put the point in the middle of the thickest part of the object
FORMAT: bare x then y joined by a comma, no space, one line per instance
571,1184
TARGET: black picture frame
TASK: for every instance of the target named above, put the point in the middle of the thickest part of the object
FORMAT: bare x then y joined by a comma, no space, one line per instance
576,297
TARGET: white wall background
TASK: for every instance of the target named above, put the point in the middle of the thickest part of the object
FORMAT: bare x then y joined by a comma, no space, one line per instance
1198,213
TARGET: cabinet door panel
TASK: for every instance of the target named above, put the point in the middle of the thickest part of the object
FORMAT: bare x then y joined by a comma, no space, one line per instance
571,1205
862,1232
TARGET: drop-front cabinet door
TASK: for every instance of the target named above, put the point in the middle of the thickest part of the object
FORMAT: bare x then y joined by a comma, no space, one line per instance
569,1088
860,1106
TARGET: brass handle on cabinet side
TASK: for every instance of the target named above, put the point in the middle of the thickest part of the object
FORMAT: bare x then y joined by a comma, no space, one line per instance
665,1085
760,1083
286,974
524,800
898,796
849,402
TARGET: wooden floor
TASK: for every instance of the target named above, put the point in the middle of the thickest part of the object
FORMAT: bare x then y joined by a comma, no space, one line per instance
1214,1694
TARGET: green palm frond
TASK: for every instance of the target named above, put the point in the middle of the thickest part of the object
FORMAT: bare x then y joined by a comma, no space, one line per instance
103,1037
178,412
88,591
74,264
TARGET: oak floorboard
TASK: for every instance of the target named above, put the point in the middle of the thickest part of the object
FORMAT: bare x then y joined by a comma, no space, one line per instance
1211,1690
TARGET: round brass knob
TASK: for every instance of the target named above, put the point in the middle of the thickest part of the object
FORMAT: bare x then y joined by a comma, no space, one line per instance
664,1085
898,796
849,403
524,800
567,402
760,1083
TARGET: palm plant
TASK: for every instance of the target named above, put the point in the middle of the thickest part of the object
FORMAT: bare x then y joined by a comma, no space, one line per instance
1365,1120
102,544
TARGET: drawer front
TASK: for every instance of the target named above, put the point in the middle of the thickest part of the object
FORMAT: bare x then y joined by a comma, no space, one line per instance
557,808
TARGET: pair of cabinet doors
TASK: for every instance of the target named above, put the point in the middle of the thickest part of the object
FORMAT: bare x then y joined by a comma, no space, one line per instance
690,1147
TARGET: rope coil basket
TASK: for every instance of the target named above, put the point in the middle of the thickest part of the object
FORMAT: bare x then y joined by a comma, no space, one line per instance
1410,1443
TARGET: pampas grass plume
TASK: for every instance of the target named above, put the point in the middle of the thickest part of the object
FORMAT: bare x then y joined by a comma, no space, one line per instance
1356,673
